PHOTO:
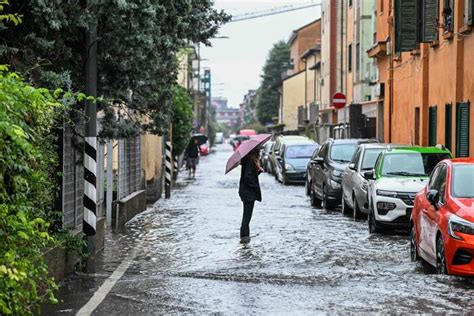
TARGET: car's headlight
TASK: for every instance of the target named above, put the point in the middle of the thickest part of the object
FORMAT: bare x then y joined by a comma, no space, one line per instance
289,167
334,184
457,224
364,186
392,194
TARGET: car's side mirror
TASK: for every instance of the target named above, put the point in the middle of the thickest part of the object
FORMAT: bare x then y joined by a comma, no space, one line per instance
369,175
352,166
433,197
317,160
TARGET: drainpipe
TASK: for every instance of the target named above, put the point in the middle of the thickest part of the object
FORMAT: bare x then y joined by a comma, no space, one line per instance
391,70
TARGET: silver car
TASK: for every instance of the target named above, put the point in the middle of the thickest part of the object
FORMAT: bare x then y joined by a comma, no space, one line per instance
354,185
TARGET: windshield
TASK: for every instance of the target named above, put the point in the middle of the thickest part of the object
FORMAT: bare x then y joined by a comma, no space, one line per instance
303,151
342,152
463,181
410,164
370,157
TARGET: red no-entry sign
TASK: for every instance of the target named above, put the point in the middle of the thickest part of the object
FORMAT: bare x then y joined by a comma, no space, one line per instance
338,100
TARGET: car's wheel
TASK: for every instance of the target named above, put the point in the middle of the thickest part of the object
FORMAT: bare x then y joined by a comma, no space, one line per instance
315,201
356,213
345,208
284,180
325,202
413,245
374,227
440,257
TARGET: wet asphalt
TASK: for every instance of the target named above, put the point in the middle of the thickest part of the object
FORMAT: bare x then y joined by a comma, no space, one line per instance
187,258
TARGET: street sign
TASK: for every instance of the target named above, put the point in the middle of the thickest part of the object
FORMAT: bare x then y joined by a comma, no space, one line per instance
338,100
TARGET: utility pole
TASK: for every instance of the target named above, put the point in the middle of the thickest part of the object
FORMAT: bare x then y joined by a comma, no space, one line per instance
207,106
90,145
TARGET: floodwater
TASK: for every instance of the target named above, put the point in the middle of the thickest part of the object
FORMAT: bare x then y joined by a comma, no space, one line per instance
187,258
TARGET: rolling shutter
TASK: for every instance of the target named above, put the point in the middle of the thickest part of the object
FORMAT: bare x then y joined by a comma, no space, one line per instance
429,20
448,126
405,25
462,129
432,125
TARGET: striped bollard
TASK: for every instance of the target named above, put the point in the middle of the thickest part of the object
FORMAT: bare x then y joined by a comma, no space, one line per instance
168,166
90,193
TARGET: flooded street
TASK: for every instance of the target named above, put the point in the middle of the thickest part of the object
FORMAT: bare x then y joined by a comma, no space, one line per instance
185,256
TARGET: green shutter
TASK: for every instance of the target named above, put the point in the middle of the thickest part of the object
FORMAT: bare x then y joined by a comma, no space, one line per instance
462,129
405,25
448,126
429,21
469,12
432,125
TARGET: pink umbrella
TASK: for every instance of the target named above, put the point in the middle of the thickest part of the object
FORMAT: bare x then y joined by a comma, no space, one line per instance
243,150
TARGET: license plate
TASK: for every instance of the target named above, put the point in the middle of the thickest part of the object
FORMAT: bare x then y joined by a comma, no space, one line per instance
409,212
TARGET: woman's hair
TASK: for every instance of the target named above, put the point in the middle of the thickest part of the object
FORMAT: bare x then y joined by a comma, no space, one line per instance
254,156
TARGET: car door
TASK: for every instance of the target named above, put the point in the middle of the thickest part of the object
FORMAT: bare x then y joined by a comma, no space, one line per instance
349,178
429,214
317,171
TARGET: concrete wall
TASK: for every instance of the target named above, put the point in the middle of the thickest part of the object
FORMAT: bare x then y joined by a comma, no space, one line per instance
126,208
293,97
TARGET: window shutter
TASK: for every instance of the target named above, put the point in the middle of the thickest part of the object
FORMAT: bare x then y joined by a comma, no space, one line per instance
448,126
469,12
462,129
429,21
432,125
405,25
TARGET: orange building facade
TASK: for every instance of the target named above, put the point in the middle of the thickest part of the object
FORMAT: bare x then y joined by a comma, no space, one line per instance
427,92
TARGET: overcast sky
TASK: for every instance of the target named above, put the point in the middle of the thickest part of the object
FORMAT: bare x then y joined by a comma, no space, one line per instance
236,62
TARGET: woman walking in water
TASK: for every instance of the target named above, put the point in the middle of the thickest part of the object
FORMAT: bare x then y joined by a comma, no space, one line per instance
249,189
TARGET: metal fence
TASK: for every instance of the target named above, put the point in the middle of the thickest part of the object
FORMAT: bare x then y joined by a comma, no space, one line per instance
130,177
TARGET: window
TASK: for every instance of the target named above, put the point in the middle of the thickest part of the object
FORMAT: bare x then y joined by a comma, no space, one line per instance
380,9
342,152
469,12
370,157
350,3
357,58
406,20
356,156
349,58
296,152
462,129
438,182
432,125
448,126
448,16
429,21
463,181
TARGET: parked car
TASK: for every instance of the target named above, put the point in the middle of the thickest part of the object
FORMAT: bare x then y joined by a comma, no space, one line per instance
398,175
442,221
293,159
264,155
276,150
219,138
324,172
354,184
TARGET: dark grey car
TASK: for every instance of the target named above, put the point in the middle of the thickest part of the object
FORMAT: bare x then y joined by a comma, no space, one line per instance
354,185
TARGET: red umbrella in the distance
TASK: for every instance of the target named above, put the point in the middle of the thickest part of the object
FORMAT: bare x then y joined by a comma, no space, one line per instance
244,149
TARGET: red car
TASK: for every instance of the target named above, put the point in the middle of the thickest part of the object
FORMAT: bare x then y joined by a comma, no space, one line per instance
442,221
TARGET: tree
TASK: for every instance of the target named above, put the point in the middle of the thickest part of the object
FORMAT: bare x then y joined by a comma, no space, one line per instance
269,98
138,43
182,119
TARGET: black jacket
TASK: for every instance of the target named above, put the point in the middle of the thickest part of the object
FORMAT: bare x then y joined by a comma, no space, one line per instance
249,189
192,151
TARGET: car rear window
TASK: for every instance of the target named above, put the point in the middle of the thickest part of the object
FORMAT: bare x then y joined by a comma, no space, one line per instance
342,152
303,151
463,181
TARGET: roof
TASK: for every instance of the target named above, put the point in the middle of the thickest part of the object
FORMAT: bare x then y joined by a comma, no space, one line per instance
417,149
373,145
300,142
311,51
294,33
352,141
461,161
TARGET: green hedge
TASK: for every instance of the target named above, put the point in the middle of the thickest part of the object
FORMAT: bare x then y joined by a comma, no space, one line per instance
27,165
